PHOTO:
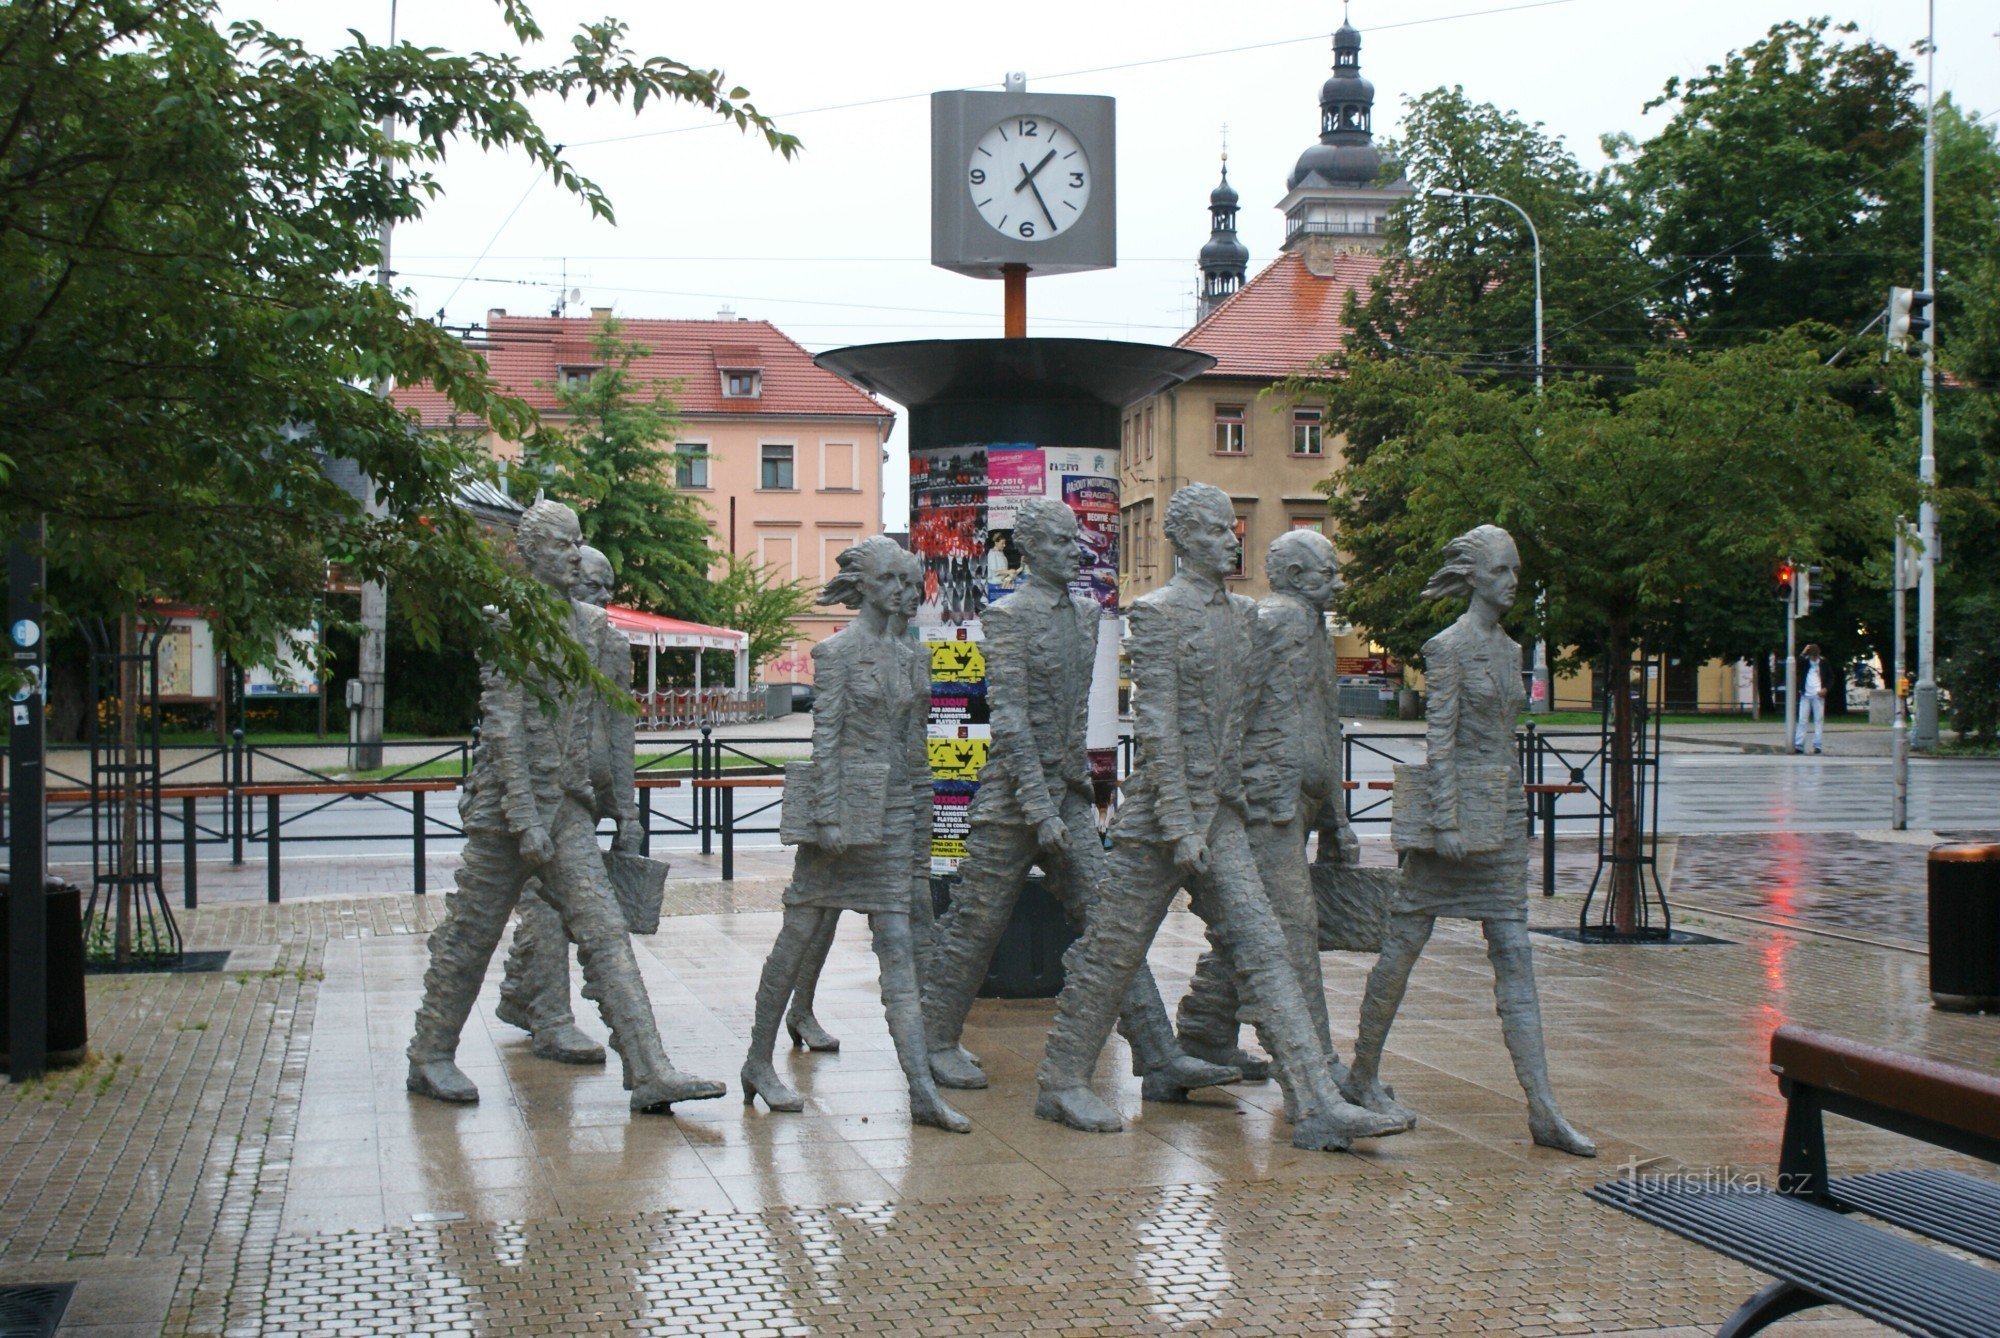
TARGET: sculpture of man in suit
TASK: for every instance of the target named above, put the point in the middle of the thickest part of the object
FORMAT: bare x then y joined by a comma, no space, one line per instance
1034,806
527,810
1291,784
1182,823
535,995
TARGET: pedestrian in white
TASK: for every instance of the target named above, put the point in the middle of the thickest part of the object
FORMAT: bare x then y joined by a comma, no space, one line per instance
1812,699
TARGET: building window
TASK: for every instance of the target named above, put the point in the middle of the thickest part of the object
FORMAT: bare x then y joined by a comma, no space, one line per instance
691,464
575,377
1242,548
1306,432
1229,429
743,385
1149,432
1308,523
777,467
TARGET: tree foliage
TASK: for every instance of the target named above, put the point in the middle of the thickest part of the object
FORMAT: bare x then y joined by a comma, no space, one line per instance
189,217
752,599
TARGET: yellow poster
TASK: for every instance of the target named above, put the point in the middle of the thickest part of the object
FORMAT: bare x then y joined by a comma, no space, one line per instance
957,759
957,662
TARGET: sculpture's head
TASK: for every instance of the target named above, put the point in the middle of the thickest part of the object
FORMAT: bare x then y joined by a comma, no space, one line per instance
1045,532
877,574
1304,563
550,539
1481,565
597,581
1201,525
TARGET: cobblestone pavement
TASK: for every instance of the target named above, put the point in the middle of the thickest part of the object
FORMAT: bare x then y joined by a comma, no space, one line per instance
243,1159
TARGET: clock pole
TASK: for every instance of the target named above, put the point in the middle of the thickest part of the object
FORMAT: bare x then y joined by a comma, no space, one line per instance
1014,319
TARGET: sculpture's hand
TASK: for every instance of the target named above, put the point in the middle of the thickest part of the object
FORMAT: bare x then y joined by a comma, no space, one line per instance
831,840
536,847
1346,845
631,835
1450,844
1191,855
1053,836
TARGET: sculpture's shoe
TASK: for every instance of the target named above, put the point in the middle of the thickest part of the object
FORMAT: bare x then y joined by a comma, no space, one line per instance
1079,1108
657,1095
763,1080
513,1014
930,1108
1553,1131
970,1058
1182,1076
1380,1099
1235,1057
566,1045
441,1080
808,1034
1320,1134
951,1070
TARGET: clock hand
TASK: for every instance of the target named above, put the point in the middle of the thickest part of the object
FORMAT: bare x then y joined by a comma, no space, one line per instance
1045,206
1027,177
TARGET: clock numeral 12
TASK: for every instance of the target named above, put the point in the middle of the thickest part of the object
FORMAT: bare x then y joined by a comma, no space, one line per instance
1032,129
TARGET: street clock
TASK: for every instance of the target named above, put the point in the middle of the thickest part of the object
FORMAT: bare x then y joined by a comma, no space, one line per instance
1021,178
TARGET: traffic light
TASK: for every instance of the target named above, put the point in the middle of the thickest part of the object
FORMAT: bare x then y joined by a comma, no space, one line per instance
1812,593
1906,317
1787,573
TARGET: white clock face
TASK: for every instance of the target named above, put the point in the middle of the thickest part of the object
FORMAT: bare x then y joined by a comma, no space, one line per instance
1029,178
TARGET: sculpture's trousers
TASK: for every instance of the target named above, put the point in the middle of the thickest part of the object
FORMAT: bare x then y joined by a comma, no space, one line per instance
574,881
1140,881
1210,1011
536,986
997,859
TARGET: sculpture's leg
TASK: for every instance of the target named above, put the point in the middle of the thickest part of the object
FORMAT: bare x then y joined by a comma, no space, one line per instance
534,994
1521,1023
487,885
997,856
799,1021
801,929
1138,886
1280,851
1401,946
577,885
895,950
1242,925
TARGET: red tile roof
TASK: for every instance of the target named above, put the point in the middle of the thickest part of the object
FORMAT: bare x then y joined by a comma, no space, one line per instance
1283,319
525,352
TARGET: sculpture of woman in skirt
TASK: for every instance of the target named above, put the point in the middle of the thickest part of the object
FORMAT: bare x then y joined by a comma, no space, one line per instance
1473,673
871,817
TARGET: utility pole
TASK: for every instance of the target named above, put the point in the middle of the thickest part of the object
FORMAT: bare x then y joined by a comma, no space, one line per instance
1792,654
1899,736
1924,735
27,814
365,752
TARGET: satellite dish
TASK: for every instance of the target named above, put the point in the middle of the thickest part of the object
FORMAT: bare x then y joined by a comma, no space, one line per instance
576,294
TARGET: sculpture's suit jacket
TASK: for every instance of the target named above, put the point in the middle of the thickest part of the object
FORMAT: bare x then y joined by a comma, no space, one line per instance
1473,695
1190,652
1040,647
514,786
871,702
1291,755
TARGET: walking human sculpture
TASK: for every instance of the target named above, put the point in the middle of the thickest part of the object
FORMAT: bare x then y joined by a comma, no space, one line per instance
535,995
1291,787
527,811
868,812
1463,831
1034,807
1182,823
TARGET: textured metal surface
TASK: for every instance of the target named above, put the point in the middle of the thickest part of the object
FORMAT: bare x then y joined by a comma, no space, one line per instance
1944,1205
34,1311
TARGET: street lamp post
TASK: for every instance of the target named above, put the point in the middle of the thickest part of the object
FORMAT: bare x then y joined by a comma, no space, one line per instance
1543,700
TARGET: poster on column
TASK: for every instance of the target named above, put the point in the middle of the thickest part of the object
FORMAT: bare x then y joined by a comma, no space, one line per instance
963,503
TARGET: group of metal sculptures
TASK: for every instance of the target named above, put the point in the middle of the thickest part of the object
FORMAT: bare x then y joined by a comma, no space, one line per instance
1238,767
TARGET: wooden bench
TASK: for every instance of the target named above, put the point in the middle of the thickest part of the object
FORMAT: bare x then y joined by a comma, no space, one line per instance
1806,1231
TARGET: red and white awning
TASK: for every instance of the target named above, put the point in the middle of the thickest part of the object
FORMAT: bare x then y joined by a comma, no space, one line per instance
658,633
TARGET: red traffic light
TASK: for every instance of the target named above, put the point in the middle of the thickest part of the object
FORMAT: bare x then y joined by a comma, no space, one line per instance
1785,573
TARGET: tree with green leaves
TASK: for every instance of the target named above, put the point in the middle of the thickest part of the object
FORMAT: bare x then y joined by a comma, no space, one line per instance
1629,511
189,214
753,600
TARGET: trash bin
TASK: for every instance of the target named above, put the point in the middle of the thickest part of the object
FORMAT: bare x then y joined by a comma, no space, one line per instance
1965,926
1028,963
68,1036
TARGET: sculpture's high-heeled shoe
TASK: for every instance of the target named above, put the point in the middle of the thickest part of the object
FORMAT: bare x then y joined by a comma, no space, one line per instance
763,1080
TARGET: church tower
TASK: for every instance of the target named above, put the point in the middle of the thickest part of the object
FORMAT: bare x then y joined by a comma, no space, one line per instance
1225,259
1335,199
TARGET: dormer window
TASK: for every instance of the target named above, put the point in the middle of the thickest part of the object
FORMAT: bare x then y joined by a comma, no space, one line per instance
575,376
742,384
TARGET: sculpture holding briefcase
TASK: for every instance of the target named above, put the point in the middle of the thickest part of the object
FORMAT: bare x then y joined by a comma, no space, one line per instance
1489,800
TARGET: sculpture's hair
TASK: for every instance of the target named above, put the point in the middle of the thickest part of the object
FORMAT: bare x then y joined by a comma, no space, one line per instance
1046,516
1461,558
594,558
874,554
1292,546
541,522
1190,501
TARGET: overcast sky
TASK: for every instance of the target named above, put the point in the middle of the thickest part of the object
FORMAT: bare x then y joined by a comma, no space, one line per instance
834,246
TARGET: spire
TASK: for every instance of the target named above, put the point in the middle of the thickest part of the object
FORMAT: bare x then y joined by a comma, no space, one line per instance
1337,186
1225,259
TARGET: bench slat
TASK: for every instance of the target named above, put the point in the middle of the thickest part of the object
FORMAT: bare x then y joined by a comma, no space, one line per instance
1948,1206
1883,1277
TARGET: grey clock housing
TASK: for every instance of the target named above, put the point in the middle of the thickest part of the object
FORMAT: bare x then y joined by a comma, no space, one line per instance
961,240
